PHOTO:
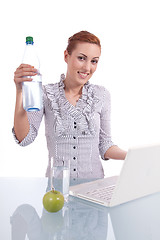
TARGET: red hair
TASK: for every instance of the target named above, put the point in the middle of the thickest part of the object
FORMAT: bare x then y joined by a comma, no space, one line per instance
82,36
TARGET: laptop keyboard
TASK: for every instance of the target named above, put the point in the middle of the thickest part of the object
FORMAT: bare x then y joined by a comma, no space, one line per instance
104,193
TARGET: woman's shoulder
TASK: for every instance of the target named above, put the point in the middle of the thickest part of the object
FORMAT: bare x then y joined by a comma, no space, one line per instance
51,89
51,92
99,90
50,86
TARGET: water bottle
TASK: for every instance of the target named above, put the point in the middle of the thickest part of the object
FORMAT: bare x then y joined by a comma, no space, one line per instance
32,91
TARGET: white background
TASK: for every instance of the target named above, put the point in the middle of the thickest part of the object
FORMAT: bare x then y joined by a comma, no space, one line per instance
129,68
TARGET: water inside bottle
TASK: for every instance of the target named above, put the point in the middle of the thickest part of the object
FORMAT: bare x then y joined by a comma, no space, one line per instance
32,96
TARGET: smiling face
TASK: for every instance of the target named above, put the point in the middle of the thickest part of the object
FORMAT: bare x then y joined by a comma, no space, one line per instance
82,63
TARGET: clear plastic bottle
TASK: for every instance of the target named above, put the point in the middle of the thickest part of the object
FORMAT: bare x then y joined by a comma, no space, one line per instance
32,91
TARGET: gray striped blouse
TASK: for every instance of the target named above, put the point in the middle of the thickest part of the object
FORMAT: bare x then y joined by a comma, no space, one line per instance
80,133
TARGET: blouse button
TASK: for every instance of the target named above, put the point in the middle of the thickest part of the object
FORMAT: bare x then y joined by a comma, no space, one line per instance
74,169
75,123
74,158
74,137
74,147
74,126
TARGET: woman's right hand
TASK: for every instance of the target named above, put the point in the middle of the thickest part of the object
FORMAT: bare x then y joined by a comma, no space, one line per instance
24,73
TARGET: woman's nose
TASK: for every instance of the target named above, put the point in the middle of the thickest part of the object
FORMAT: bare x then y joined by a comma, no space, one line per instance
87,66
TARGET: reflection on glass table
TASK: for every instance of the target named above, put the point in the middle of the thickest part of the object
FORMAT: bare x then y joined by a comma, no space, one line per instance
24,218
137,220
74,221
29,220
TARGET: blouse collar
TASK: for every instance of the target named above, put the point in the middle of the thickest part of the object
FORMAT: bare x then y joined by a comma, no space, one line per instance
84,89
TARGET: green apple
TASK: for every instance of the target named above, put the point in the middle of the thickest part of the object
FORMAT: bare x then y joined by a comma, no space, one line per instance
53,201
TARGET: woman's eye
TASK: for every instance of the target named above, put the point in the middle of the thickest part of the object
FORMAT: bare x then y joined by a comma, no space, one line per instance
81,58
94,61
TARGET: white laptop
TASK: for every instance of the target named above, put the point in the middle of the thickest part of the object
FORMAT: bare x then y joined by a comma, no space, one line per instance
140,176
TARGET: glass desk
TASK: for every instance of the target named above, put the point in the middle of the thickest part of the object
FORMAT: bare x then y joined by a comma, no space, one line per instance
22,216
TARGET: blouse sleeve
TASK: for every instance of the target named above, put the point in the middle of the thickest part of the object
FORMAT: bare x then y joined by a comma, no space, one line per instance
105,141
34,119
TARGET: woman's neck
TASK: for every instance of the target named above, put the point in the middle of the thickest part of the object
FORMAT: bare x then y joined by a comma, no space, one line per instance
72,89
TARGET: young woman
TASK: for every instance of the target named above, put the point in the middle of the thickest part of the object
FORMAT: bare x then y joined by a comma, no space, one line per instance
77,113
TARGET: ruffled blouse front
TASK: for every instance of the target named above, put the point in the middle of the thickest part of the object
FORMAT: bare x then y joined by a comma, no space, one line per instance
79,133
82,113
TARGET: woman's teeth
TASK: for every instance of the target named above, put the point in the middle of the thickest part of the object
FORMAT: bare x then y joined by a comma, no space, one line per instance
83,75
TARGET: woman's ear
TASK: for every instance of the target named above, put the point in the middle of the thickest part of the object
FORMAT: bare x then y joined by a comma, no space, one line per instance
66,54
